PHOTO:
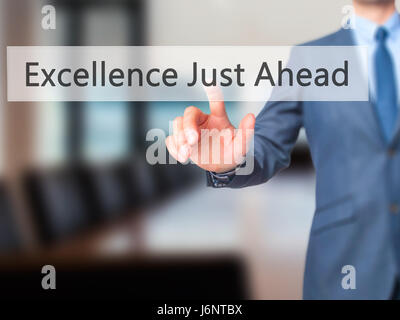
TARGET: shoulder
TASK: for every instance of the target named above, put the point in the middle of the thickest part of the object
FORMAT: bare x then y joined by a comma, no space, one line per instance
339,38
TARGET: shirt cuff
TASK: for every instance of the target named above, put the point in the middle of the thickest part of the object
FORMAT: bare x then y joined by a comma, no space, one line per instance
221,180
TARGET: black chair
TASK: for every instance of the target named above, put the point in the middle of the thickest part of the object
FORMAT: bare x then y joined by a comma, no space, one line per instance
57,202
103,187
9,236
147,184
140,181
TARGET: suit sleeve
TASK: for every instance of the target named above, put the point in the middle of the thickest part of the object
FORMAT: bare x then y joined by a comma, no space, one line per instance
276,131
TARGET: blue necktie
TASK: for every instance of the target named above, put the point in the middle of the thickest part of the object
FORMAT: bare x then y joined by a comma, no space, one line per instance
386,96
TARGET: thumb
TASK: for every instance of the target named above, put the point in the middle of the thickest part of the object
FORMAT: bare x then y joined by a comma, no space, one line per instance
243,137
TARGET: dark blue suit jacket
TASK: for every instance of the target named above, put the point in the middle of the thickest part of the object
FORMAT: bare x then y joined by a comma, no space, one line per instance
356,221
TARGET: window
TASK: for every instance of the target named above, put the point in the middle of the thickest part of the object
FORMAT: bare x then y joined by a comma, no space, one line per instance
50,139
106,130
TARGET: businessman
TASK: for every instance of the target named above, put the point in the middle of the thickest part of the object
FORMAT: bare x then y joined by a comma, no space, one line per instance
355,148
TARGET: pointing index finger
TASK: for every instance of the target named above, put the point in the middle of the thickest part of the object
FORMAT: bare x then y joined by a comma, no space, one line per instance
216,100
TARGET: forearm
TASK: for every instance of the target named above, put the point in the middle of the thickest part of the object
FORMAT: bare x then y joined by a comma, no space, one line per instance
266,161
276,131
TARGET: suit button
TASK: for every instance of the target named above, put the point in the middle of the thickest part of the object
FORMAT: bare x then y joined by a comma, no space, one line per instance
391,152
394,208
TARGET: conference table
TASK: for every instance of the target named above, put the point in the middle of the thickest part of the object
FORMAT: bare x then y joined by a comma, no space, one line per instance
162,252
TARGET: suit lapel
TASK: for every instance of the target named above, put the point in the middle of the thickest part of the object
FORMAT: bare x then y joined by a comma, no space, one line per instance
396,134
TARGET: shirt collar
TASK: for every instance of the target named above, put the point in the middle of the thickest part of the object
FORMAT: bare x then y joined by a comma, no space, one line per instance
366,29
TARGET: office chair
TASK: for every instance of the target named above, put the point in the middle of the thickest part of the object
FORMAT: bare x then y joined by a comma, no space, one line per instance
9,237
58,206
104,189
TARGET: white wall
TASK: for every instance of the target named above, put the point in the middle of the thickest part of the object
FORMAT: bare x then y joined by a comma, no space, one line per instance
239,22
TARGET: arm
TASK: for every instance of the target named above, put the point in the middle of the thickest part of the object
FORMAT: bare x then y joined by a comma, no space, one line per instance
276,131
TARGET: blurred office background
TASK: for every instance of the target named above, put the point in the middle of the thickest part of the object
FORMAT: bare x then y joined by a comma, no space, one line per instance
76,191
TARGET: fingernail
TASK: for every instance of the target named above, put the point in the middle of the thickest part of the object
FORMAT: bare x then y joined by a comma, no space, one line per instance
191,136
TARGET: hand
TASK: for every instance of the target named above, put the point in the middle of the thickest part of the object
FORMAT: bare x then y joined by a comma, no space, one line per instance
210,140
